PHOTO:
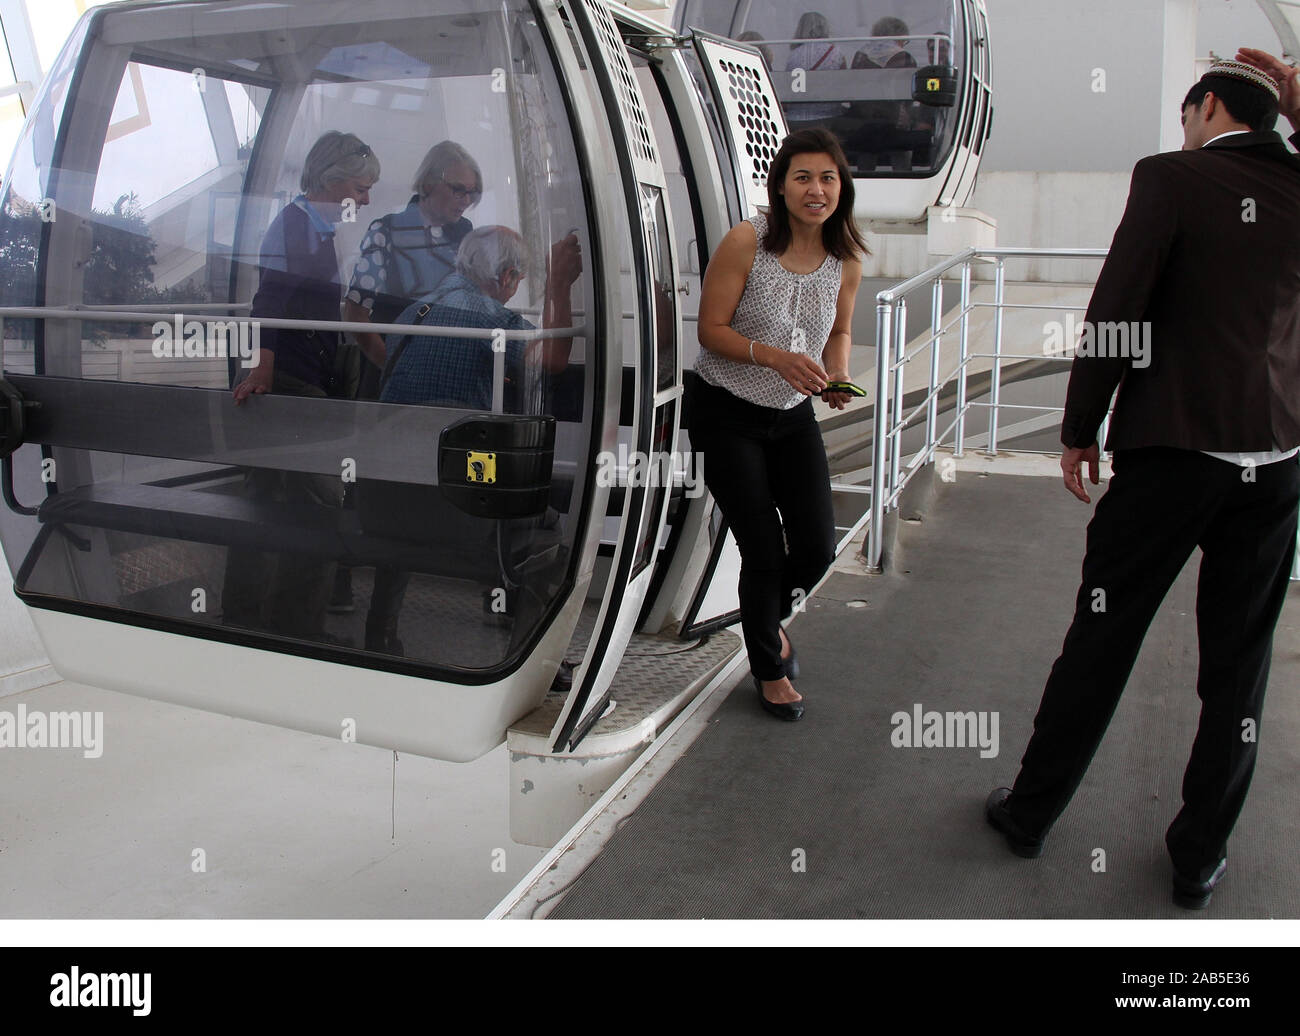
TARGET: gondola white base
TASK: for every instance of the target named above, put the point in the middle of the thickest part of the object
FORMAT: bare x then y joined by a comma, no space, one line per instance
456,723
657,678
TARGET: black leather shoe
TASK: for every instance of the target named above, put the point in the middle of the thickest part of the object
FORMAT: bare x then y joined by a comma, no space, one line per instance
1195,895
782,710
995,810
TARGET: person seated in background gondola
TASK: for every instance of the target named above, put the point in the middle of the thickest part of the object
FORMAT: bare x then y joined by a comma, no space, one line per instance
929,124
885,128
882,52
818,54
453,371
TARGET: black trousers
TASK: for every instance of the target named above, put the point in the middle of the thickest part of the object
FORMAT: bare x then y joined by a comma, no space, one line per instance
767,471
1159,506
282,593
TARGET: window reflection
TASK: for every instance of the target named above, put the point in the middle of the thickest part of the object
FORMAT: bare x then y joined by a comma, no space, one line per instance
185,212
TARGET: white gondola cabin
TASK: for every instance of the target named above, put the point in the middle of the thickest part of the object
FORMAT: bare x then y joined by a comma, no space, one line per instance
134,237
906,86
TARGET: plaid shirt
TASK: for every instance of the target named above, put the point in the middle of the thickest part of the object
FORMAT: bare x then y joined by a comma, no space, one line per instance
446,371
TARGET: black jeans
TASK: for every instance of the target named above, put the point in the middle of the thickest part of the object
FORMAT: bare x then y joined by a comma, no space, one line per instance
1159,506
767,471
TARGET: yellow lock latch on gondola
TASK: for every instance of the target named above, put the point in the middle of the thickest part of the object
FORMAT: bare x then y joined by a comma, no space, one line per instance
481,467
498,465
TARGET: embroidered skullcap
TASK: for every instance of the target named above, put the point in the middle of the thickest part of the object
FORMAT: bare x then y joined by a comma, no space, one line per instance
1237,70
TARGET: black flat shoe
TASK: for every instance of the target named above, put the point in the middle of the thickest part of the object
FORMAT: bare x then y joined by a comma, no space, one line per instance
782,710
1195,895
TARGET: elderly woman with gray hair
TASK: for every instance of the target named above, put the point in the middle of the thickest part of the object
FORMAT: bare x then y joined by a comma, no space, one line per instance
818,54
405,255
299,270
299,280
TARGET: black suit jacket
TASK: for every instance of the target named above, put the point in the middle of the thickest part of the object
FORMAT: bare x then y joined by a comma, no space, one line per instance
1207,254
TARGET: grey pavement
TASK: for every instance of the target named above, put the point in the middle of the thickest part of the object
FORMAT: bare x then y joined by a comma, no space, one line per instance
829,818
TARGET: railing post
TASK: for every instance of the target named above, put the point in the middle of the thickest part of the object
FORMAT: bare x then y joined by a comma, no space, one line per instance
498,381
959,441
995,387
936,340
879,479
900,355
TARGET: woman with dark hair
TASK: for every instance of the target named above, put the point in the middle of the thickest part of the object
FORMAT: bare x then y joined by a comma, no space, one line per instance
775,323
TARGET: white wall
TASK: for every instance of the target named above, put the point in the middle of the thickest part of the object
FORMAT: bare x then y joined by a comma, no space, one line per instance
1054,210
1047,116
1225,25
1033,210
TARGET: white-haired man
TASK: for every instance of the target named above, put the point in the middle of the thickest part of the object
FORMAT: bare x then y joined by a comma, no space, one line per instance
448,370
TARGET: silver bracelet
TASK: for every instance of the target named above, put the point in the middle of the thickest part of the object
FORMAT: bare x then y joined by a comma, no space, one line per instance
751,353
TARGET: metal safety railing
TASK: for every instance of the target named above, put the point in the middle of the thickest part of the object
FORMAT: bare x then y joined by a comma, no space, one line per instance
890,472
219,344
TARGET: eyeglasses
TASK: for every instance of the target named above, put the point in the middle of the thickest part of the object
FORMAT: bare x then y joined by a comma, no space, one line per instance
462,192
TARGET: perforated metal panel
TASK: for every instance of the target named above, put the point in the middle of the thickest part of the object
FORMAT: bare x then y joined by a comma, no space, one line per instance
743,93
645,155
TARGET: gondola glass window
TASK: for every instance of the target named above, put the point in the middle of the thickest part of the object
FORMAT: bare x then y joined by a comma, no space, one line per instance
426,514
851,67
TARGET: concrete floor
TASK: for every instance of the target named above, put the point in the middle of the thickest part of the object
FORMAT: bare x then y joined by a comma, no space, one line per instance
832,818
290,825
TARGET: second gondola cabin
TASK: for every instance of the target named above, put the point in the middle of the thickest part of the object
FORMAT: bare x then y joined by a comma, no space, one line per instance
906,86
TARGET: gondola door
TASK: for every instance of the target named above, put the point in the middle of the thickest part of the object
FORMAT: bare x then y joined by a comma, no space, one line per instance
641,459
737,93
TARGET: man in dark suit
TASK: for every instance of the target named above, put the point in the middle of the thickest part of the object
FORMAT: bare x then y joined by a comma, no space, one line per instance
1205,265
